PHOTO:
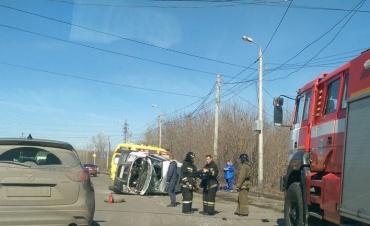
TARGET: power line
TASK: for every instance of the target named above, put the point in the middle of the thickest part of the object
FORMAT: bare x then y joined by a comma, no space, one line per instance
314,41
237,75
278,68
233,94
329,9
250,103
223,5
218,4
204,100
183,108
313,64
120,36
239,82
271,4
268,93
31,13
342,53
305,65
148,6
271,38
73,76
293,66
278,26
333,60
359,5
236,84
198,109
248,81
285,63
290,67
327,60
205,106
106,50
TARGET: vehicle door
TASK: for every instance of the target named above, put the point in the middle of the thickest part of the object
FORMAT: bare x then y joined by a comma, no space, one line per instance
324,131
162,186
304,130
297,124
147,187
124,172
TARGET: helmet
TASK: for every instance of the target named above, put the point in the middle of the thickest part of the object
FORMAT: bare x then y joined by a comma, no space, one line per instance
190,157
244,158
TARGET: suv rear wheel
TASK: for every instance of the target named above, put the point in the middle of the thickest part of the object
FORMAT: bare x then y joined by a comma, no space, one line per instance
293,207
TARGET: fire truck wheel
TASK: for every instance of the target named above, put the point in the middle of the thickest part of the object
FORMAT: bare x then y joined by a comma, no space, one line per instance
293,207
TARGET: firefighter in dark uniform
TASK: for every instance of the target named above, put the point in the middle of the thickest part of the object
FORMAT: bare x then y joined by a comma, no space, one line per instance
209,184
188,182
243,185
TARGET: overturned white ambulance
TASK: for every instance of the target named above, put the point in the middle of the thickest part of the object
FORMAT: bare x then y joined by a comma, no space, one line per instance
142,173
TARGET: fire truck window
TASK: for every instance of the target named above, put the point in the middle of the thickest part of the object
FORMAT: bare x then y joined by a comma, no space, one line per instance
344,98
307,105
299,112
332,100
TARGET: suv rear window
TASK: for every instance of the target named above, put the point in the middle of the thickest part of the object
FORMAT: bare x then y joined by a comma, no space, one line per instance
38,156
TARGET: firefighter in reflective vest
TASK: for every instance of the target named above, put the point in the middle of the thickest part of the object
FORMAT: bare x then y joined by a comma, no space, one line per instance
209,184
188,182
243,185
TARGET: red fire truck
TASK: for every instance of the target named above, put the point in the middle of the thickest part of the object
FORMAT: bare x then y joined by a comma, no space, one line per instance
328,175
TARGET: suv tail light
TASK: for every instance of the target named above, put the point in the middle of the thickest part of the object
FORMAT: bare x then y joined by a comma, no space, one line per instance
79,176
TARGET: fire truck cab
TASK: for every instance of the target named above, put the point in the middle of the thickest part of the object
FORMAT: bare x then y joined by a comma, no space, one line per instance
328,174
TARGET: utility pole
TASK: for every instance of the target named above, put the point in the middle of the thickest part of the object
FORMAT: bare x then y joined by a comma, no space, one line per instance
260,119
217,110
108,153
125,131
260,110
159,124
160,129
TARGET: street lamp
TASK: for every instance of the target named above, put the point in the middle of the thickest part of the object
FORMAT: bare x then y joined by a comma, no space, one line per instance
247,38
159,125
260,111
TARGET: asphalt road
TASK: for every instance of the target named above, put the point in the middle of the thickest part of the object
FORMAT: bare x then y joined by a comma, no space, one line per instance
152,210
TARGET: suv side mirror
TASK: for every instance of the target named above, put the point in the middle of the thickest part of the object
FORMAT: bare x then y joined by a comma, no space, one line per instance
278,110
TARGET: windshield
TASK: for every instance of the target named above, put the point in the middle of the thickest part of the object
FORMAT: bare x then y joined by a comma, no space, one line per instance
299,109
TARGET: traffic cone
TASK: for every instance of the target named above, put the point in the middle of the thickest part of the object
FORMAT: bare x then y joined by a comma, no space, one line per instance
110,198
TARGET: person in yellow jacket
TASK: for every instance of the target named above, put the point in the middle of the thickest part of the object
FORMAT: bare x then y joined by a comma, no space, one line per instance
243,185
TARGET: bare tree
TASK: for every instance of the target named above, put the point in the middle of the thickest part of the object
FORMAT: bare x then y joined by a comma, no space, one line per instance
100,143
195,133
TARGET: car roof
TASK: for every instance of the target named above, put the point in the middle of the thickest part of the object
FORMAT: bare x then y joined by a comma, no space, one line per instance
36,142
